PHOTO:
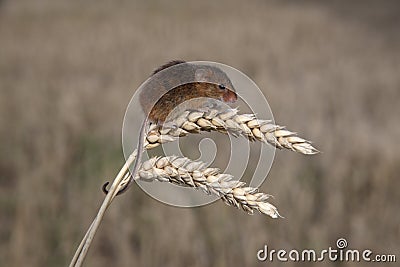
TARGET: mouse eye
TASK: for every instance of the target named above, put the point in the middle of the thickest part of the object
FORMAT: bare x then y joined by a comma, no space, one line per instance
221,86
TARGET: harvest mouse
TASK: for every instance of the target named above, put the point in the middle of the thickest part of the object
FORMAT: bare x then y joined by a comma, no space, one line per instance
172,85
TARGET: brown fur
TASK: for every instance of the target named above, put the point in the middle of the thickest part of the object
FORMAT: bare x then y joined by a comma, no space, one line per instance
161,94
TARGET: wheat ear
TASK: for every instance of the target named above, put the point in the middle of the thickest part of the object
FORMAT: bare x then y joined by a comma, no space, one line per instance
185,172
225,121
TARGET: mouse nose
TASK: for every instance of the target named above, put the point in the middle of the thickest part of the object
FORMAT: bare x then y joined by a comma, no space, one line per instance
229,96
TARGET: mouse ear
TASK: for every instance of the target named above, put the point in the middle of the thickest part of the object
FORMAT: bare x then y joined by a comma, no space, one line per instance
202,75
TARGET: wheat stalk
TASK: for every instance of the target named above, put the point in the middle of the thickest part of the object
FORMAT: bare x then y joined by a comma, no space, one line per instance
228,120
118,183
185,172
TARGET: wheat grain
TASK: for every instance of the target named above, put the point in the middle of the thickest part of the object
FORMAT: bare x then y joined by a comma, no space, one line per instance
225,121
185,172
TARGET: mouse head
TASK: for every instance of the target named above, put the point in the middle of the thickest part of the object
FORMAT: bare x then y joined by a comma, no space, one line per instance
215,83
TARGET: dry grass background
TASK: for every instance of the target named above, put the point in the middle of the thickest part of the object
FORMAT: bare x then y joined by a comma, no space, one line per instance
330,70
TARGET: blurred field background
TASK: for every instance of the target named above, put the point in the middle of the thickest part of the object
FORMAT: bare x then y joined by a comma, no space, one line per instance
330,70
